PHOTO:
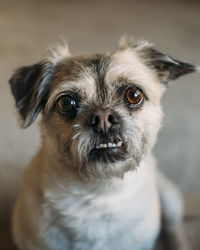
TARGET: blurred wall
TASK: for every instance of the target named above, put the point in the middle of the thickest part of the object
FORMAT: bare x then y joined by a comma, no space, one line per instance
27,28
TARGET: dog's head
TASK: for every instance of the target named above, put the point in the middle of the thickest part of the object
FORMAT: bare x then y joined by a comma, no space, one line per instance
100,113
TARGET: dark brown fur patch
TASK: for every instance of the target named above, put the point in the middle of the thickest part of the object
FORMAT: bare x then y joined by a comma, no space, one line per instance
30,86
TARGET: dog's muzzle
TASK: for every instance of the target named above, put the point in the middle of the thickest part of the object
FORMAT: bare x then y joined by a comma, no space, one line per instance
106,127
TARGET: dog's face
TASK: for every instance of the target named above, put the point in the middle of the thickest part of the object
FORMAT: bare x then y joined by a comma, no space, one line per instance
100,113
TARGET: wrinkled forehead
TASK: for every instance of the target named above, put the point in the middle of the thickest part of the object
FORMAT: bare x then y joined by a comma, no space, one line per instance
94,75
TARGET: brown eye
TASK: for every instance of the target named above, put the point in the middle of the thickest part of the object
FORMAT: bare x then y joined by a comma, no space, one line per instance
134,97
66,104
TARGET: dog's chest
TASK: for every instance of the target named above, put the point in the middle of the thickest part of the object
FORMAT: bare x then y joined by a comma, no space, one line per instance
117,216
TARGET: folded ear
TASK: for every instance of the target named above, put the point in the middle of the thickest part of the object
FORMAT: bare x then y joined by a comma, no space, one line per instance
168,68
30,86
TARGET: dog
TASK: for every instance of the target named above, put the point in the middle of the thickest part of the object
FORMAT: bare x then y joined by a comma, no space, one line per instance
94,183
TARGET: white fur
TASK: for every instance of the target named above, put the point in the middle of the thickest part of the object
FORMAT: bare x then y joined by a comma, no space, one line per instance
104,214
58,53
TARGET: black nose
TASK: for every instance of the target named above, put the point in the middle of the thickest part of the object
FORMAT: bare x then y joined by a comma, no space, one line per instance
103,120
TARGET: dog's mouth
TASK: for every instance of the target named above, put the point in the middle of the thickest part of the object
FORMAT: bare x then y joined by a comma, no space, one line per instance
109,152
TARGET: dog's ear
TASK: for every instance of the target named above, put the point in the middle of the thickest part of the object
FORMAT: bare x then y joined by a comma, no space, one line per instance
167,68
29,86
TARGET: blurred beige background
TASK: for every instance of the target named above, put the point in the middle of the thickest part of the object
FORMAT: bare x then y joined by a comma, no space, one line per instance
28,28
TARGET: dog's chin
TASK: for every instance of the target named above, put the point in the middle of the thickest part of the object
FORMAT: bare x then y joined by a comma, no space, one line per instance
95,170
105,159
107,163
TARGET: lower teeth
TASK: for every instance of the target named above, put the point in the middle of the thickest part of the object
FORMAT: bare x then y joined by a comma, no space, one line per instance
109,145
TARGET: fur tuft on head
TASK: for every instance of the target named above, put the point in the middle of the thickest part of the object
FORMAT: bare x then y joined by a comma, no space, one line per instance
58,53
139,45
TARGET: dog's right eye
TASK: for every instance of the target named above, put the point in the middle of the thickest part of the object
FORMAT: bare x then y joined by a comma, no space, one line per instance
134,97
66,105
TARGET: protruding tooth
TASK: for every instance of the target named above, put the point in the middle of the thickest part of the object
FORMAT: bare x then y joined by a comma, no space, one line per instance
105,145
97,146
101,146
119,143
109,144
114,145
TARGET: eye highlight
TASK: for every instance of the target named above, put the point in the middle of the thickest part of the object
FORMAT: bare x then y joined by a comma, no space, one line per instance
66,105
134,97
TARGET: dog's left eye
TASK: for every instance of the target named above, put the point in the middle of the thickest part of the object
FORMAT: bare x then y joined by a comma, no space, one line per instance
134,97
66,104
